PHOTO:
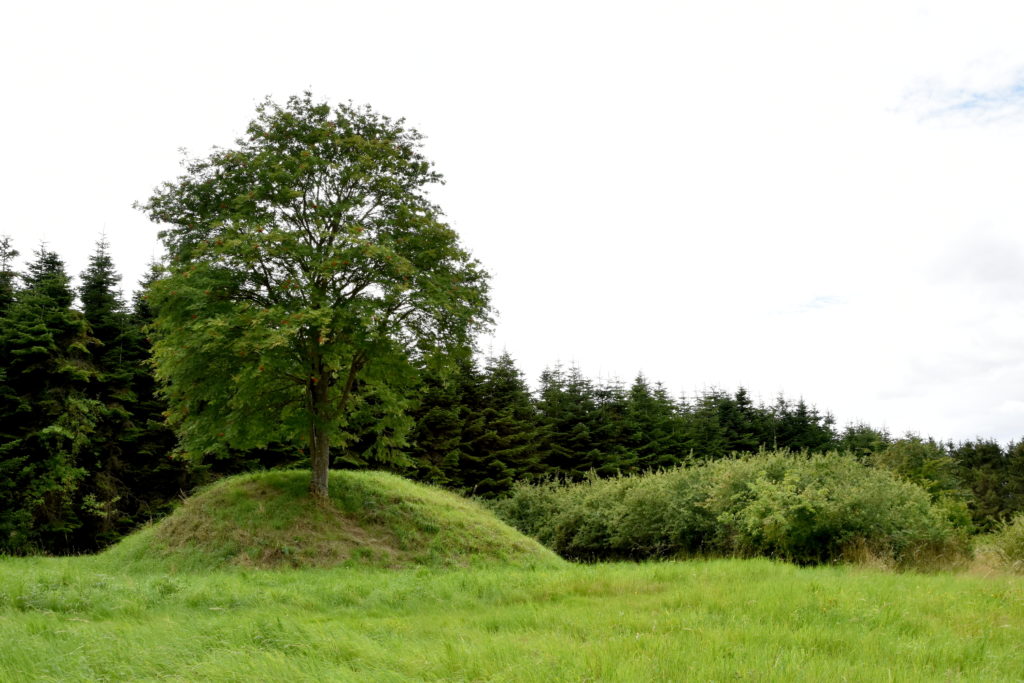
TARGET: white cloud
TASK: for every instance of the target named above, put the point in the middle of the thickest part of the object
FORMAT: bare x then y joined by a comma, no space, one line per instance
1001,102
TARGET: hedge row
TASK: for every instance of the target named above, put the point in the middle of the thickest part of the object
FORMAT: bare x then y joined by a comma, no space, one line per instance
798,507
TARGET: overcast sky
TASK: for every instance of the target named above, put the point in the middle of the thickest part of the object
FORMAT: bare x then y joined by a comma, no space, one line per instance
791,196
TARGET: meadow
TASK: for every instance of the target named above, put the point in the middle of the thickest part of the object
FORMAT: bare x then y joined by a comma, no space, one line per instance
250,580
88,619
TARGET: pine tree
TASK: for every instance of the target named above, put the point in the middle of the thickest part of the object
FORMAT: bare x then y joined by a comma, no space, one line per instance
568,414
131,478
104,309
744,423
724,424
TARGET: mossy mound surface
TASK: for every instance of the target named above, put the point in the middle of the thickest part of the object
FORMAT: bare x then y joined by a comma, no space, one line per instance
374,519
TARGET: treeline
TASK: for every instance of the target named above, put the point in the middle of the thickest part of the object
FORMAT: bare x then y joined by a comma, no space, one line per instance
483,429
85,456
806,508
83,448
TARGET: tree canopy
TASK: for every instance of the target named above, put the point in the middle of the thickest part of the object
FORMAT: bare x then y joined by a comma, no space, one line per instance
307,274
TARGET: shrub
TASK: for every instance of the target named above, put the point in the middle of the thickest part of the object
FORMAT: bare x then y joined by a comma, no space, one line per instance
1006,543
798,507
665,514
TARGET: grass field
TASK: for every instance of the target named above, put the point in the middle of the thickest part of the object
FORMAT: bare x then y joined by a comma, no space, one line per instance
392,581
86,619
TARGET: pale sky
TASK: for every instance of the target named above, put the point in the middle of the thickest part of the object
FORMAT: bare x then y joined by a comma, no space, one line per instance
818,198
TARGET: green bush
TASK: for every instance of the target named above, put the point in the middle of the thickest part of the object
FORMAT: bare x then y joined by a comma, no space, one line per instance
1007,543
665,514
798,507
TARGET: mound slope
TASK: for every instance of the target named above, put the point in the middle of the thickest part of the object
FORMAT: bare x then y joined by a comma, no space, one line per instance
268,520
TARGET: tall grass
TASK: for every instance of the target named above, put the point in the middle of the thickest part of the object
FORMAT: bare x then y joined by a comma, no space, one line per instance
83,619
1003,548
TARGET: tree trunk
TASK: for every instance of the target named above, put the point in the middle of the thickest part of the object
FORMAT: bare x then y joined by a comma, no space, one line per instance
319,438
319,442
319,455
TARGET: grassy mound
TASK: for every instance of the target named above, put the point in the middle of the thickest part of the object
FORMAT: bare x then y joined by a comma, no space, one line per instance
268,520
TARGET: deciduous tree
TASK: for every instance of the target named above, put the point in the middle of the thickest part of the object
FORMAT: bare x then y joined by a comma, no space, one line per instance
307,272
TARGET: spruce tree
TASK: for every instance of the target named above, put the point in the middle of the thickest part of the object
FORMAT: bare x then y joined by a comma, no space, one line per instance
442,410
157,478
925,462
651,426
503,433
8,289
8,278
131,479
862,440
801,427
742,423
1014,494
108,484
703,425
611,454
568,414
47,419
982,466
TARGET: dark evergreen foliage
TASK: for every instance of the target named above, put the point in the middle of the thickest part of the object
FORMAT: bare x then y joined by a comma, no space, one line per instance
992,477
652,430
46,416
611,454
1013,493
134,478
924,462
720,424
800,427
82,445
567,408
437,445
502,432
8,278
476,430
159,478
862,440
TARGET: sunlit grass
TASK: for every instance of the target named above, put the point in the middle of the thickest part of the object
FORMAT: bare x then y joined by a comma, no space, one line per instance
83,619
